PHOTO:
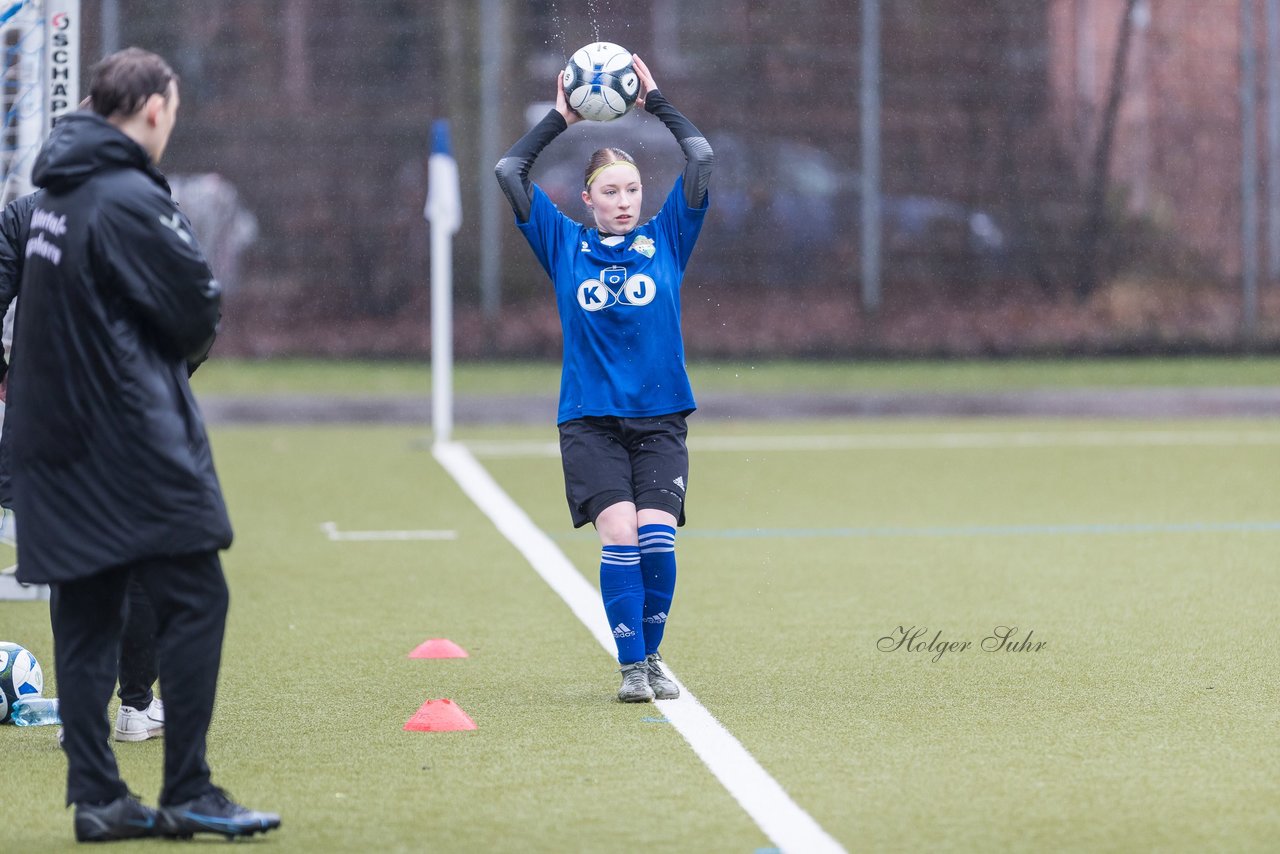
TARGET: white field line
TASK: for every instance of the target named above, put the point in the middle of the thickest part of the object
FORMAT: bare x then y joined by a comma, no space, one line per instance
334,535
924,441
768,805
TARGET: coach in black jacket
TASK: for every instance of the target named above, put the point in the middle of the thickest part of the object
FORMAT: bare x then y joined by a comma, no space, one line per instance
138,640
112,473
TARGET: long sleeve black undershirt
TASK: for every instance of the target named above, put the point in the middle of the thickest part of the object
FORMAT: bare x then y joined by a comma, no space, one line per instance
698,155
513,169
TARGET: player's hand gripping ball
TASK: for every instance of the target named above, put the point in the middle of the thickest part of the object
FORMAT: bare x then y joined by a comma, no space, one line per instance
600,83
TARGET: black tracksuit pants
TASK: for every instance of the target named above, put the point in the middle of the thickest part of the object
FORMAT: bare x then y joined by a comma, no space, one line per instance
189,594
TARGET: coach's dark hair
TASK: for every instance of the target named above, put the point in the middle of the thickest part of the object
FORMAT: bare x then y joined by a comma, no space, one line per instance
603,157
122,82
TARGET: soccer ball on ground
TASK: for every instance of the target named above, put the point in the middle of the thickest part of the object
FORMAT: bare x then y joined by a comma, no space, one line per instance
20,676
600,82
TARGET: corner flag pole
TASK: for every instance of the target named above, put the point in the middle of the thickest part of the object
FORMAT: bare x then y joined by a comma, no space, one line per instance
444,212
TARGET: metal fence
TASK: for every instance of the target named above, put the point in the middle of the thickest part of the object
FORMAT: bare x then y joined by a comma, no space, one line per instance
1049,175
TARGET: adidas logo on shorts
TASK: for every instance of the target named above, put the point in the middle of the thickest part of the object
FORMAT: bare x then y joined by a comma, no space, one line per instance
679,481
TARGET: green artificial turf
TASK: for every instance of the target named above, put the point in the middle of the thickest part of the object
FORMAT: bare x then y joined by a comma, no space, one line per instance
1146,563
316,683
346,378
1148,720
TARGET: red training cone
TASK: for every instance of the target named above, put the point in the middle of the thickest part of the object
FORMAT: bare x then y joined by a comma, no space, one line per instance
438,648
439,716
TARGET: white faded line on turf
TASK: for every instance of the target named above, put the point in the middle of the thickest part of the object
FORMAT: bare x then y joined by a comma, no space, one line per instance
766,802
911,441
331,530
1100,528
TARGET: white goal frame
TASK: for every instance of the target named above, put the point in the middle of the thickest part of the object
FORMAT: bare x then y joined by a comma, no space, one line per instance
40,44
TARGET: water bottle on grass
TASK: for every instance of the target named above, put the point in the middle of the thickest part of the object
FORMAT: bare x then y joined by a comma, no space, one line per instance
37,711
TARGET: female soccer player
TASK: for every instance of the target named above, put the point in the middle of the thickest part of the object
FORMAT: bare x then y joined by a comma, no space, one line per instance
624,392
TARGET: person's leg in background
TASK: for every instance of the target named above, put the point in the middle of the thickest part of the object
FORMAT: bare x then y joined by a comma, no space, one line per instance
141,714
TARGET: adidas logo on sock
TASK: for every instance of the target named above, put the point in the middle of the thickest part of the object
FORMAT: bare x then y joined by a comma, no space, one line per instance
623,631
660,617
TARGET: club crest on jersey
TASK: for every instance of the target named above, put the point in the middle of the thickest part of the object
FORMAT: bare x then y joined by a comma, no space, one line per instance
615,287
644,245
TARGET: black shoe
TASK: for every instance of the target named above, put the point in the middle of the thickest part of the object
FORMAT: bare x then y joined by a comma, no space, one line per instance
123,818
213,812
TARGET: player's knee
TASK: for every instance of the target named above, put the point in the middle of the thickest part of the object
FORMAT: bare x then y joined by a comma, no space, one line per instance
617,525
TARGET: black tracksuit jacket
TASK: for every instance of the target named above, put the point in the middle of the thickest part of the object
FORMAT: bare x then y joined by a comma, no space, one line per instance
110,460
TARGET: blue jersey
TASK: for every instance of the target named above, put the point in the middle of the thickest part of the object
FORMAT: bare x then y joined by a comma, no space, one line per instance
619,308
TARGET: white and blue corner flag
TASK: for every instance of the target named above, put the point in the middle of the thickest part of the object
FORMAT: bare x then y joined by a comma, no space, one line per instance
444,198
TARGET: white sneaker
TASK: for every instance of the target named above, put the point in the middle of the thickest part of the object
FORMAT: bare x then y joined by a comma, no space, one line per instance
8,527
140,724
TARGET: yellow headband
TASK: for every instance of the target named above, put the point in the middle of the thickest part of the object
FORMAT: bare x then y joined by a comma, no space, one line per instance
596,173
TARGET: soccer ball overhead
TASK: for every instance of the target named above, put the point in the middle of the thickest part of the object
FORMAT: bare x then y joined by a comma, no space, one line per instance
600,82
20,676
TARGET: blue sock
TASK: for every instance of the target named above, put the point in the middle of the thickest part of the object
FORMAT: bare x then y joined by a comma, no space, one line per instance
623,594
658,564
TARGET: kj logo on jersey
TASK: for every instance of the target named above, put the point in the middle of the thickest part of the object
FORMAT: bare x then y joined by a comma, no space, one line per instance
615,287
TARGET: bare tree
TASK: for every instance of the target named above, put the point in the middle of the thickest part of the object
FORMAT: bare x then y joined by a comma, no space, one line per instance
1095,214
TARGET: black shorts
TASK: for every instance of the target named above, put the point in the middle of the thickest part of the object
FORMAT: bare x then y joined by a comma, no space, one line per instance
641,460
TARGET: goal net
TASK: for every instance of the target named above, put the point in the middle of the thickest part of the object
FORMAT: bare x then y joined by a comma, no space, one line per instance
41,44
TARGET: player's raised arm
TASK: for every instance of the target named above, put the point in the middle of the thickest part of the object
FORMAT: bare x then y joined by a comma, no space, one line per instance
699,158
513,169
